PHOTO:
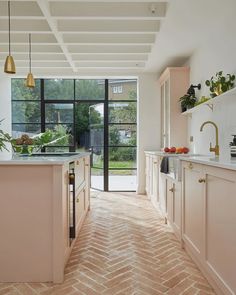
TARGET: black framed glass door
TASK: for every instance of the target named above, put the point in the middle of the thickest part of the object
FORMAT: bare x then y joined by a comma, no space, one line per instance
98,114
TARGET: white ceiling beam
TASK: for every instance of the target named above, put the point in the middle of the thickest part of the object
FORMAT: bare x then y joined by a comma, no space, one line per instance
106,49
25,25
108,26
23,38
21,8
44,6
35,48
110,10
110,64
109,38
109,57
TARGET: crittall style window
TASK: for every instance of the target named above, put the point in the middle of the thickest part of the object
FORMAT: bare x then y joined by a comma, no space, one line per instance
100,115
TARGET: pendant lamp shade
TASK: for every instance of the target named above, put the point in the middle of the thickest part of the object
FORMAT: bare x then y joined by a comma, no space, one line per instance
30,78
9,66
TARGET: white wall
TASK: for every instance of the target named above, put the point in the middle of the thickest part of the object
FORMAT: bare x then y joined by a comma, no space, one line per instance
5,108
219,54
148,123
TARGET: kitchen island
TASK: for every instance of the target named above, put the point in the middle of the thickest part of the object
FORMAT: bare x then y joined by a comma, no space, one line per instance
43,202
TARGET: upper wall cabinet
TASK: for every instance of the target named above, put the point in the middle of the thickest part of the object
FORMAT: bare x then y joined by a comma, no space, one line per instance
174,83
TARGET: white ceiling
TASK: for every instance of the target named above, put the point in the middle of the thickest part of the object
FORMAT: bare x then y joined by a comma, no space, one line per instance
99,37
75,36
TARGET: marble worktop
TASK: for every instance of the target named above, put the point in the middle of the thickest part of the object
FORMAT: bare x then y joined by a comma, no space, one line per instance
163,154
225,162
221,162
42,159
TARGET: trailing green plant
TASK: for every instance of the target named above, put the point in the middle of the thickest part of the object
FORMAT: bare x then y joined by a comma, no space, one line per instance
202,100
187,102
219,84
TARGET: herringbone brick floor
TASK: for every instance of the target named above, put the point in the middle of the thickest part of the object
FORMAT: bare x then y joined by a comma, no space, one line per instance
124,248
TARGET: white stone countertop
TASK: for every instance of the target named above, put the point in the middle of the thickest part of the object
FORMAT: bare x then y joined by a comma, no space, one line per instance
163,154
221,162
42,159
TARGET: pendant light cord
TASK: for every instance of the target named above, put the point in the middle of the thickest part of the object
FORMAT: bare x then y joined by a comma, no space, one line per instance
9,26
30,52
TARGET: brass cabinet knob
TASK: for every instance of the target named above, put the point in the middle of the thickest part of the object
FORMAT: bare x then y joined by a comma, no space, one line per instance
201,180
171,189
190,166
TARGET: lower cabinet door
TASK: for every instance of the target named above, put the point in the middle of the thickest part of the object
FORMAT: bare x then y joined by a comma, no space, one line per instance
220,227
80,205
176,222
155,179
162,193
169,200
193,208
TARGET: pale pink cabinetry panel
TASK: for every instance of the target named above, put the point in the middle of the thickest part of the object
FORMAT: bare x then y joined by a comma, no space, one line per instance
209,222
34,220
173,205
174,83
193,206
152,177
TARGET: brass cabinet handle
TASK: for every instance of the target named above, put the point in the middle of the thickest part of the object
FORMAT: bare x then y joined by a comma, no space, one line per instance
77,162
201,180
71,176
171,189
87,165
77,200
154,162
190,166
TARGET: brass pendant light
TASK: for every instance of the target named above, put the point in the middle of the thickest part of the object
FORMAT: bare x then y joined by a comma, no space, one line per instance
9,66
30,78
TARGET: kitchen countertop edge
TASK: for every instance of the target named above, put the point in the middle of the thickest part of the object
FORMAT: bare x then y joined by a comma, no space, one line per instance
53,160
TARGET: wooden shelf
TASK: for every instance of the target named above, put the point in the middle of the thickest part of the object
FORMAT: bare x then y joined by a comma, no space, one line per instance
211,102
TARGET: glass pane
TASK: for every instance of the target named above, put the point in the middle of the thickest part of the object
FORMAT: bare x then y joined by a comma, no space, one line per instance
64,134
97,171
59,113
29,129
123,89
97,179
122,112
59,89
122,157
122,180
26,112
97,157
122,135
89,121
21,92
90,89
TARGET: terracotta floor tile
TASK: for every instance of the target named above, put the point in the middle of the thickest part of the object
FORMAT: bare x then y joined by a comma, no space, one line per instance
124,248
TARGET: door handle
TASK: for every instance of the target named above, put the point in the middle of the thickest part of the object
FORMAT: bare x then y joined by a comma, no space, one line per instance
171,189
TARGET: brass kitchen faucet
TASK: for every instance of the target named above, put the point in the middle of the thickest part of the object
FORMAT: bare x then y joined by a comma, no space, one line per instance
216,149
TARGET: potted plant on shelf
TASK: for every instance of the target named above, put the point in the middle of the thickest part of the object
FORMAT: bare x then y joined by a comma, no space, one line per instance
187,102
219,84
201,100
